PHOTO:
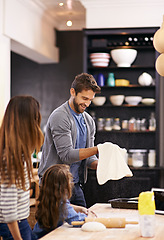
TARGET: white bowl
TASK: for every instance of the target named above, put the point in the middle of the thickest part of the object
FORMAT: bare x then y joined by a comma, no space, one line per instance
148,101
99,59
99,101
100,64
123,57
116,100
99,55
133,100
93,60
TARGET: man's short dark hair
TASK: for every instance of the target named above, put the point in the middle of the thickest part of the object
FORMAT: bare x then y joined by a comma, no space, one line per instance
85,81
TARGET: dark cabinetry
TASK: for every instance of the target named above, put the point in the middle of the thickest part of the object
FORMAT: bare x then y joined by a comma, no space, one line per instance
142,180
104,40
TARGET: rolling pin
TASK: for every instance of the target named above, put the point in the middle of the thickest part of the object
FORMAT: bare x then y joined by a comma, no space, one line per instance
108,222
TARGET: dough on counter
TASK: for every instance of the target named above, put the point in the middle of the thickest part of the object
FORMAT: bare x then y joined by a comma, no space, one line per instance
93,227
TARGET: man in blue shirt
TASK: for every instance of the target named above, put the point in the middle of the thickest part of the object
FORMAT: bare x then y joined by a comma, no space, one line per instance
70,133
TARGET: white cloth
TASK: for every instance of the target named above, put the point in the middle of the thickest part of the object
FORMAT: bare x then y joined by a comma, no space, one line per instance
112,163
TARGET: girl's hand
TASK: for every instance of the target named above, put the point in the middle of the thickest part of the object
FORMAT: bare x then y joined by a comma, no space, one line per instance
80,209
84,210
91,214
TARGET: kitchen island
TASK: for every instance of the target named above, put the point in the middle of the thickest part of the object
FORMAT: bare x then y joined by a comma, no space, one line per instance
130,232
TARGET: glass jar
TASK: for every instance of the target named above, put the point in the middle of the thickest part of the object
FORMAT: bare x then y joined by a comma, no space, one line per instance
152,122
138,124
143,124
132,124
108,124
151,158
124,124
139,157
116,124
100,124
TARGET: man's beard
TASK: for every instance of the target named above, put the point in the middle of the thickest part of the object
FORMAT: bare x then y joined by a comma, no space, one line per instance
77,107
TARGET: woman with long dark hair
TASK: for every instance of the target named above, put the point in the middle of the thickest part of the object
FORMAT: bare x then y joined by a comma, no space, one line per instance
20,135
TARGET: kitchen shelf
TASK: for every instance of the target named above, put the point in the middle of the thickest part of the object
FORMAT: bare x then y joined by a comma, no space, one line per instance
121,68
126,131
144,62
106,49
130,86
124,105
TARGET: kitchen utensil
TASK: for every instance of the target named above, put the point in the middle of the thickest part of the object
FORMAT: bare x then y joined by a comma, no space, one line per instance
123,57
125,203
99,59
99,55
121,82
99,101
117,100
100,80
108,222
145,79
111,80
133,100
148,101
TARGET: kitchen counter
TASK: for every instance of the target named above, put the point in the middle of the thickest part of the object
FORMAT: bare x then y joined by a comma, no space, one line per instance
130,232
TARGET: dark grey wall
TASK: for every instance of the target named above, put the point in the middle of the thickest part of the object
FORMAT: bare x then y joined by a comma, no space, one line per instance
49,83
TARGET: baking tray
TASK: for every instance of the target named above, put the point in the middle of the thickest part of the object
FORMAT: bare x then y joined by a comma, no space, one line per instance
125,203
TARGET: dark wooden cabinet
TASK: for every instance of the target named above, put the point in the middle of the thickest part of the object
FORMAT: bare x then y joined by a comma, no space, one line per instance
143,180
104,40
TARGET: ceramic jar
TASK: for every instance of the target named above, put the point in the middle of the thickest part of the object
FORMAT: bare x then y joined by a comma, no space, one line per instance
158,39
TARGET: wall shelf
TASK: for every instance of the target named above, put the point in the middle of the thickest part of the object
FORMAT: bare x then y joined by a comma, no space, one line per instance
144,62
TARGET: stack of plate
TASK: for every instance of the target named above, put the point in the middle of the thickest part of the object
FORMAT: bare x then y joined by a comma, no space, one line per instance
99,59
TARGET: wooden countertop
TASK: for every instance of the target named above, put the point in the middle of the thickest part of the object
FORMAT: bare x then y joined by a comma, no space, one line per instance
130,232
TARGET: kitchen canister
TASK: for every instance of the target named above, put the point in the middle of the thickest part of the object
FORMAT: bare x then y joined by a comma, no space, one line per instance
151,158
139,157
108,124
146,209
100,80
111,80
100,124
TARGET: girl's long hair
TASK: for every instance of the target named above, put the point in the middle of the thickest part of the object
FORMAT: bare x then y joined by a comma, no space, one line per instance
20,135
56,188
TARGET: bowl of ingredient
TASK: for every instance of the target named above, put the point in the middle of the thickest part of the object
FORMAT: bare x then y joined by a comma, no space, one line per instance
116,100
148,101
99,100
133,100
123,57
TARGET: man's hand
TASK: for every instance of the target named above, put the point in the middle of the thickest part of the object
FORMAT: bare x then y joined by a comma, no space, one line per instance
94,165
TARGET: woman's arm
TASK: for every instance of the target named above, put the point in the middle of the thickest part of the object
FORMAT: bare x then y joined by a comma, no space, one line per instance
14,229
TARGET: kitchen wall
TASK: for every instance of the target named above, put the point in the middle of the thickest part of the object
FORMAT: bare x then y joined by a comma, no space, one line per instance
49,83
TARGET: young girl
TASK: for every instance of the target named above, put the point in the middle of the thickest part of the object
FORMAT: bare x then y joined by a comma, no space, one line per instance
20,135
54,207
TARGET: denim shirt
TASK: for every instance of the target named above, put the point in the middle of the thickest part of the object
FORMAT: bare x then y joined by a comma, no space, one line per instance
72,215
76,168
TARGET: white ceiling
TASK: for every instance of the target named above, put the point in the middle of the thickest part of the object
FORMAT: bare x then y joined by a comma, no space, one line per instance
75,10
71,10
